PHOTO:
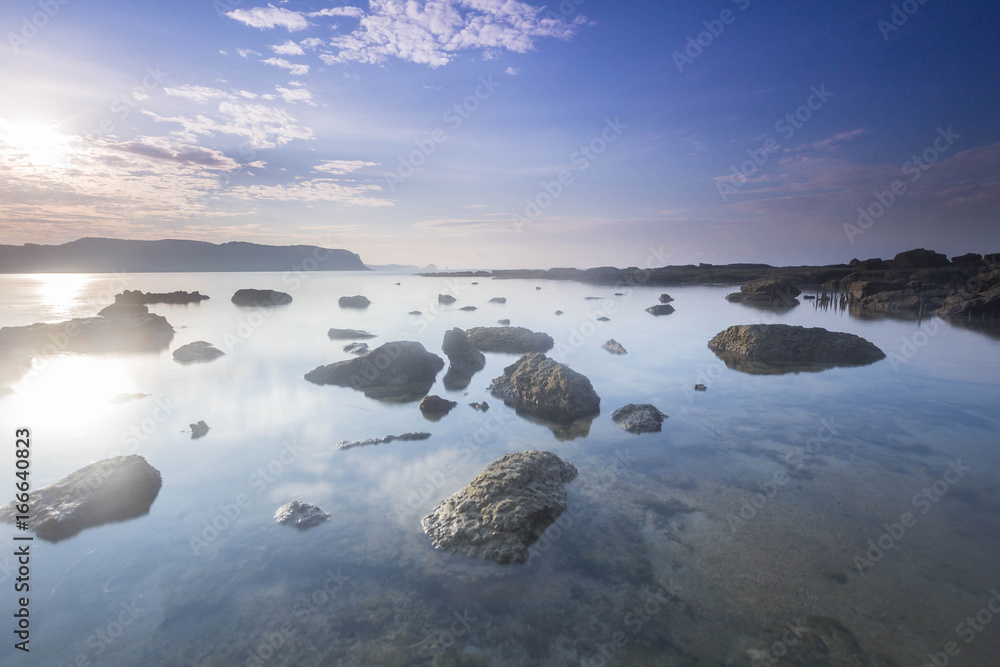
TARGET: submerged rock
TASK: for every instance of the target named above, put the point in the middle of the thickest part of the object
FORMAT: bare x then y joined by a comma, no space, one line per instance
662,309
509,339
90,335
446,299
435,407
197,352
501,513
349,444
199,430
401,370
782,348
639,418
260,298
108,491
415,312
300,515
615,347
544,387
356,348
354,301
179,297
349,334
770,291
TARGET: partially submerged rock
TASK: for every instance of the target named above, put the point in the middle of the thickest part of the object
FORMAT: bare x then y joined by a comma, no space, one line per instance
356,348
199,430
662,309
498,299
108,491
350,444
639,418
517,340
505,510
300,515
544,387
468,308
666,298
89,335
614,347
465,360
446,299
700,387
260,298
401,370
197,352
602,318
505,322
178,297
770,291
981,299
782,348
357,301
435,407
124,310
480,407
349,334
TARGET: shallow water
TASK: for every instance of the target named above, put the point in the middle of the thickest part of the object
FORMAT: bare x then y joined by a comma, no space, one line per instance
700,545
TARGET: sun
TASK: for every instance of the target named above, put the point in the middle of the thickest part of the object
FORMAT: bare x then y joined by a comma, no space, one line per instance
37,143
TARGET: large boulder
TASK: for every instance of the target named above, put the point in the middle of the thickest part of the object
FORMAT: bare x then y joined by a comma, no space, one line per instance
197,352
919,259
465,360
545,388
967,260
108,491
124,309
357,301
505,510
260,298
300,515
782,348
349,334
517,340
435,407
874,264
90,335
660,309
401,370
770,291
980,300
864,287
446,299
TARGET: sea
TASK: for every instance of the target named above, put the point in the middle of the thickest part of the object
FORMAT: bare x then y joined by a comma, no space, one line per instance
849,516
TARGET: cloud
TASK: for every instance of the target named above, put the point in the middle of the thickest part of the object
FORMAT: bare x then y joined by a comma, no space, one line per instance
353,12
261,126
199,94
289,48
293,95
513,71
158,148
268,17
342,166
314,190
246,53
295,69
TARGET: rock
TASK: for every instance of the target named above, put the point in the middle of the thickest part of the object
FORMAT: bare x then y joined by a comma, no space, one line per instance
475,283
662,309
465,360
980,300
666,298
504,322
180,298
357,301
639,418
538,288
619,294
863,288
348,334
125,398
446,299
400,370
614,346
498,299
809,297
415,312
700,387
356,348
346,444
300,515
197,352
559,312
899,301
108,491
468,308
603,319
435,407
770,291
517,340
505,510
480,407
992,259
90,335
919,259
260,298
781,348
198,430
124,310
875,264
545,388
592,298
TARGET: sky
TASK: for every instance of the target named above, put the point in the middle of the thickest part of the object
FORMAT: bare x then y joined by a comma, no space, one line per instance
507,134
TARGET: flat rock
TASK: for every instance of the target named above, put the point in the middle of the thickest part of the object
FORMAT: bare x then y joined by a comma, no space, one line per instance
197,352
349,334
639,418
260,298
505,510
661,309
127,310
614,347
199,430
370,442
468,308
356,348
544,387
505,322
919,259
603,319
435,407
90,335
300,515
400,370
770,291
498,299
446,299
415,312
178,297
559,312
357,301
517,340
108,491
782,348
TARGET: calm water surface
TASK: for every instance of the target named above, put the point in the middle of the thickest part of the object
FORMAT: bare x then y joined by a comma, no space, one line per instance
750,514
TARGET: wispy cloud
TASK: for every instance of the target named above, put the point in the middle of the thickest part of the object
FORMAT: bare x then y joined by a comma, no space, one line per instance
294,68
313,190
289,48
261,126
342,166
268,17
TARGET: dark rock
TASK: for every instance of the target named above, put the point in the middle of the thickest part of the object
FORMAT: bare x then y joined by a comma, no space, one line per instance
981,299
300,515
875,264
260,298
446,299
435,407
127,310
538,288
401,370
480,407
198,430
356,348
559,312
700,387
863,288
770,291
346,444
462,356
666,298
179,298
619,294
504,322
543,387
662,309
639,418
108,491
348,334
919,259
90,335
197,352
505,510
468,308
475,283
992,259
517,340
781,348
603,319
357,301
899,301
614,346
415,312
498,299
855,262
966,260
592,298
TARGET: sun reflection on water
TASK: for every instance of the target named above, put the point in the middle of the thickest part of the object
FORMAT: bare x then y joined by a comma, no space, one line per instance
74,390
59,293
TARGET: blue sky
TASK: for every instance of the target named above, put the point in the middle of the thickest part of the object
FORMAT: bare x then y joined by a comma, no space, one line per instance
500,133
